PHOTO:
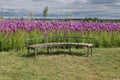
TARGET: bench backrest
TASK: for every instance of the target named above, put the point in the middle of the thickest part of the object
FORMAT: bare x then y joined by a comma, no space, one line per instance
53,39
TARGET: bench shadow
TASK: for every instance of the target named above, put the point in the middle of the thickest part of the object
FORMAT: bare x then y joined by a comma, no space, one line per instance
56,53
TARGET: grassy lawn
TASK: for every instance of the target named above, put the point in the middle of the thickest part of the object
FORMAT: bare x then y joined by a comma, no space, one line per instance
104,64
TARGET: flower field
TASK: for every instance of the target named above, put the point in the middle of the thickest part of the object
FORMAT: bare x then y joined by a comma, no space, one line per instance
13,33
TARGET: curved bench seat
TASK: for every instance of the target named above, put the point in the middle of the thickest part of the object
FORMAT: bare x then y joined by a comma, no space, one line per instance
59,44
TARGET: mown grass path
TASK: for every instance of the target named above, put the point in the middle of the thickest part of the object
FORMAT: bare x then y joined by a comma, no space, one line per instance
104,64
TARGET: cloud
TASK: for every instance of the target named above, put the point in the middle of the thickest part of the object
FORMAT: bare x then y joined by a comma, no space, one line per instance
103,1
79,8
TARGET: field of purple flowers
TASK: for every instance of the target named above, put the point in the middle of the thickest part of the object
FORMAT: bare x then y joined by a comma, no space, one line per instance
13,33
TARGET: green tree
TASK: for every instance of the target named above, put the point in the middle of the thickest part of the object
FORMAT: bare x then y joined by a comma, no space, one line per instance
45,12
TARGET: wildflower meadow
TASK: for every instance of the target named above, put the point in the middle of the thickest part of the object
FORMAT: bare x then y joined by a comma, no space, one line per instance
13,33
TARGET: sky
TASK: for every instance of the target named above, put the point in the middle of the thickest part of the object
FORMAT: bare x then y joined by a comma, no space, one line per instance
107,9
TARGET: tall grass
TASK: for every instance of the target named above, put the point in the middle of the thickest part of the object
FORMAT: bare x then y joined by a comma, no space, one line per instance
17,40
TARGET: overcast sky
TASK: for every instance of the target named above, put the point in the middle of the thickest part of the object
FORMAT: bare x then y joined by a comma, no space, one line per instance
62,8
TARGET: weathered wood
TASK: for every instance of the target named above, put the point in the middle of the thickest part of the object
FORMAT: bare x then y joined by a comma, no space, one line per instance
59,44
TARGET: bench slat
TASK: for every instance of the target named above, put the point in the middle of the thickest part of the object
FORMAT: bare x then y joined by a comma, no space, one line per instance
59,44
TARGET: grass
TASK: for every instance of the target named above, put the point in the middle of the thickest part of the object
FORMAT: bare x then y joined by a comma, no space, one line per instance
104,64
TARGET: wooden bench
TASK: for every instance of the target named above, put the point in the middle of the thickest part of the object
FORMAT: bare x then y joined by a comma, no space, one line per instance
50,42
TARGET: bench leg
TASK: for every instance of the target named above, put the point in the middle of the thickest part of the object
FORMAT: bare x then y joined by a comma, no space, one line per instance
70,49
47,50
28,52
91,50
51,50
88,48
35,52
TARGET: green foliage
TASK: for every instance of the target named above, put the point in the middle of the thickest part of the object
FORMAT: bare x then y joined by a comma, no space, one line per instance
45,12
94,19
17,40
